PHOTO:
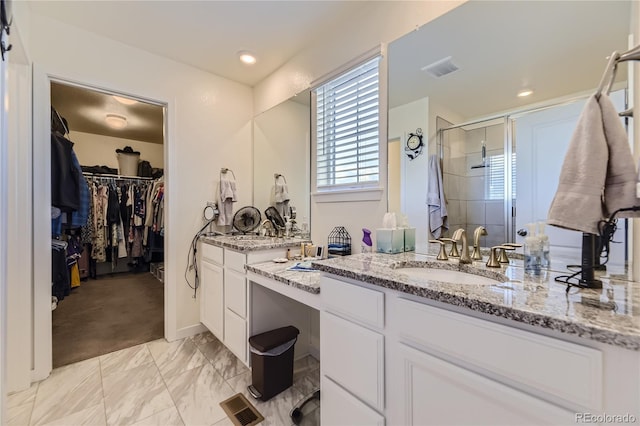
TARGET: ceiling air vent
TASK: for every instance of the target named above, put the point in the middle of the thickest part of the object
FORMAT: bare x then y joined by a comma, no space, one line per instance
440,68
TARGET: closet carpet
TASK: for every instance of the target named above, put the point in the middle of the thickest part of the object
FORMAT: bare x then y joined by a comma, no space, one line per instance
107,314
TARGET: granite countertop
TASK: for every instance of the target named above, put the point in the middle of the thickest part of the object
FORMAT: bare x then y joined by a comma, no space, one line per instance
304,280
609,315
247,243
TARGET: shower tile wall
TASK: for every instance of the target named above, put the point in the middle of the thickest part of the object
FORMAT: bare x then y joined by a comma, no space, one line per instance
471,203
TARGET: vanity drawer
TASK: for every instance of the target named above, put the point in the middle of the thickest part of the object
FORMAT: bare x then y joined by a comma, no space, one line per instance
561,372
235,292
212,253
354,358
235,260
353,302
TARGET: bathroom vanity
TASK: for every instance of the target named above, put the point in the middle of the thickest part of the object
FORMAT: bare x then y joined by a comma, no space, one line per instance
225,297
409,350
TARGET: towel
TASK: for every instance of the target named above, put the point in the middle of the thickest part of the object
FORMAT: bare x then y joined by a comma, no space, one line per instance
226,197
280,196
437,204
620,183
594,169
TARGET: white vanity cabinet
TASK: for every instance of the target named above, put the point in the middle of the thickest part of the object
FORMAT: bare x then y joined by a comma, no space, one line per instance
402,359
223,294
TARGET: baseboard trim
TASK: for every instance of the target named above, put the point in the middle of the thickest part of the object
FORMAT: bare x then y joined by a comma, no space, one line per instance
189,331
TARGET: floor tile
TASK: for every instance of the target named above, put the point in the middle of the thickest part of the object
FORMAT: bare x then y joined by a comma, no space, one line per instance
23,397
92,416
19,415
134,395
224,422
125,360
302,366
68,390
176,357
198,393
308,383
222,359
168,417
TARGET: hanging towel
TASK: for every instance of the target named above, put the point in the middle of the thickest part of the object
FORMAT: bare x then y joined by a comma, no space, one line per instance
598,175
281,196
227,196
620,184
436,202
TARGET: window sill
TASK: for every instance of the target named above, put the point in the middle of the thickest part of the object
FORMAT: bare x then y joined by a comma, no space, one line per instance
346,195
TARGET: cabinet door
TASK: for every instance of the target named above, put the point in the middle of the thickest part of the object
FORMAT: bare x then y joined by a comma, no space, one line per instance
235,292
435,392
211,299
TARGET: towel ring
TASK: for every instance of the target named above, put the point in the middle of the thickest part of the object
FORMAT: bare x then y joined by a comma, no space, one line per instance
277,175
224,170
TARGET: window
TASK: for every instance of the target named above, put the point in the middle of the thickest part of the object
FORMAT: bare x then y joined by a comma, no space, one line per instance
496,181
347,129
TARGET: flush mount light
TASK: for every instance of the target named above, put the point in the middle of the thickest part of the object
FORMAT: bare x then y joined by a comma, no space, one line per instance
525,92
116,121
125,101
247,57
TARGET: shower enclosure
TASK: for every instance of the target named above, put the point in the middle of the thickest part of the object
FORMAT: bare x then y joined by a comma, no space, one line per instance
478,166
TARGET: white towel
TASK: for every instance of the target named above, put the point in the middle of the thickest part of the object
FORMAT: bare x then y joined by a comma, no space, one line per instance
598,166
281,191
436,201
226,197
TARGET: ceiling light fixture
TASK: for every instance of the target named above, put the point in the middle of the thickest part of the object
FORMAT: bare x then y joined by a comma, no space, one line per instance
524,93
116,121
247,57
125,101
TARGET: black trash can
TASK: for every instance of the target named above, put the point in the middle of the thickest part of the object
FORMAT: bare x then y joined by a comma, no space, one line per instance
272,361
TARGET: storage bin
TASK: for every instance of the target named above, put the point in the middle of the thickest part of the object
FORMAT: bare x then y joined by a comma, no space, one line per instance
128,164
272,361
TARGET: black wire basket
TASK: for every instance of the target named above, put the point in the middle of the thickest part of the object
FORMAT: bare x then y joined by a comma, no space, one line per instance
339,242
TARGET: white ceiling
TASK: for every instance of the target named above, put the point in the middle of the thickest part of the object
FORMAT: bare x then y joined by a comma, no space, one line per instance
208,34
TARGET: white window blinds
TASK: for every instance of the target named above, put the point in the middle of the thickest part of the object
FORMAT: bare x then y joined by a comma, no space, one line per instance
347,129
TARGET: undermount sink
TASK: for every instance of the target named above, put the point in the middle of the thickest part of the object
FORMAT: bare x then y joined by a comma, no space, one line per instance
248,237
450,276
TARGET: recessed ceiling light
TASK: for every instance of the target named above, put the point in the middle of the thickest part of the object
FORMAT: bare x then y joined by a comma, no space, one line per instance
125,101
247,57
524,93
116,121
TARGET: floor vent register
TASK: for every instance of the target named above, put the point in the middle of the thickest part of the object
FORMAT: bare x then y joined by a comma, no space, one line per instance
241,411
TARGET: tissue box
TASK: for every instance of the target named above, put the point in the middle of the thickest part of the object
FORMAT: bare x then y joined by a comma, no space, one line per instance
390,240
409,239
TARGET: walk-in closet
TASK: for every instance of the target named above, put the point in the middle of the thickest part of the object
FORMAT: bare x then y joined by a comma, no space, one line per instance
107,222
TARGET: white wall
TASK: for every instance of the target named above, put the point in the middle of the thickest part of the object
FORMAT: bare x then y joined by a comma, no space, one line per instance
403,120
281,145
100,150
209,124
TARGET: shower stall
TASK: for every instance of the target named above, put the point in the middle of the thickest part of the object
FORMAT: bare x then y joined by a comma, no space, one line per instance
478,166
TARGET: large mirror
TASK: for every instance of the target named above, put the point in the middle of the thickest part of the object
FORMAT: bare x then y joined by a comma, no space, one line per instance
458,77
281,168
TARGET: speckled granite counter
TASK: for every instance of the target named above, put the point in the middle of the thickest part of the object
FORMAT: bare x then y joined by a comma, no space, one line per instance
252,243
307,281
610,315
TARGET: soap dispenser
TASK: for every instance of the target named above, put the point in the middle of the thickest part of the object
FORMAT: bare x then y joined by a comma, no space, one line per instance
366,241
532,251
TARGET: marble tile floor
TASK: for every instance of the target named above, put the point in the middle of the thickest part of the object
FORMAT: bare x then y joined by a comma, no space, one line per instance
157,383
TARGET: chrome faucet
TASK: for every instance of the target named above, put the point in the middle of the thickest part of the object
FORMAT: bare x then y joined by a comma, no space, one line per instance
479,231
464,255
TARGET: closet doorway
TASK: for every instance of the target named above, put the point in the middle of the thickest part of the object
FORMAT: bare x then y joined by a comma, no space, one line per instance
107,256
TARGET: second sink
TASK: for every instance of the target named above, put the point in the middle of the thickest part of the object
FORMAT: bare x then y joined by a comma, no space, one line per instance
447,276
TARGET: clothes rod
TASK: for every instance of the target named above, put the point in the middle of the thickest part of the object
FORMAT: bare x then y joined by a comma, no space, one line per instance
112,176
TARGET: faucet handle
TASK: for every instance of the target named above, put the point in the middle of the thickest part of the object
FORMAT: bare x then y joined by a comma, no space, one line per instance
493,258
442,254
502,258
454,247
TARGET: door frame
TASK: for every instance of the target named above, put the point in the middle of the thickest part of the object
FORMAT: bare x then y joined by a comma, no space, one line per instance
42,349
